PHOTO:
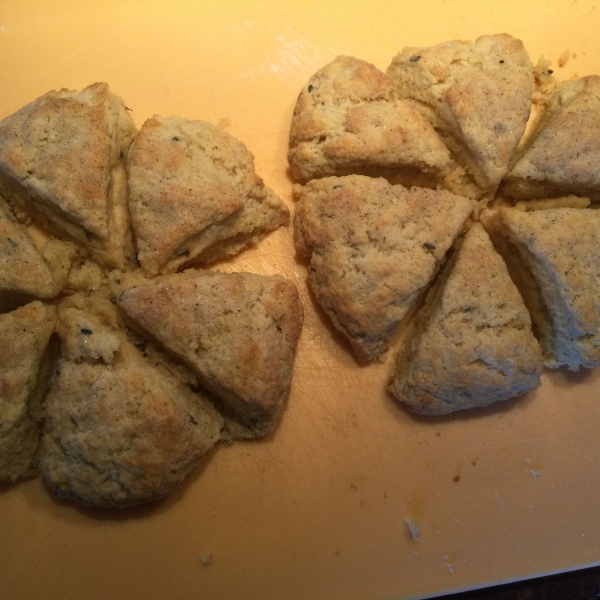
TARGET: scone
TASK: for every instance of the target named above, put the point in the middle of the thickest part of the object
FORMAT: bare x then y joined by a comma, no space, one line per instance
194,196
237,331
62,161
554,256
25,274
478,96
348,120
562,153
118,431
471,343
24,369
373,249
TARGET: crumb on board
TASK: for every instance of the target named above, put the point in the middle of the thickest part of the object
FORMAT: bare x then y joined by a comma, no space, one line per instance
414,527
563,59
535,473
450,569
206,560
416,553
224,123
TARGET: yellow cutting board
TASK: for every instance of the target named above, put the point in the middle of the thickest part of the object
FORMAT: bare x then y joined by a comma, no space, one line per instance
317,510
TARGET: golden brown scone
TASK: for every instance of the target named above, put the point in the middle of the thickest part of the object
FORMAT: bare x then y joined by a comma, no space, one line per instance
194,195
118,431
373,249
348,120
562,153
62,160
558,249
471,343
24,336
238,331
480,97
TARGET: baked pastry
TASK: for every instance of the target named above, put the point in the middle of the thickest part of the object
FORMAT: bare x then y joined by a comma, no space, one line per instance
348,120
556,266
373,249
24,368
194,196
471,344
118,431
62,162
478,97
237,331
561,154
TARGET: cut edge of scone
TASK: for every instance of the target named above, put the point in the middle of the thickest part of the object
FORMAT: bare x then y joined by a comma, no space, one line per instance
106,238
485,369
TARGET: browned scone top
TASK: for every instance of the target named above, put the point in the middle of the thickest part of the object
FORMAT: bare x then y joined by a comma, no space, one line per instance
62,161
194,196
373,249
562,153
238,331
24,335
472,342
479,95
118,431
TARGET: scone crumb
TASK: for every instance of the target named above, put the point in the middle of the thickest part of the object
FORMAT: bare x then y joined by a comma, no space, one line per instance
563,59
414,527
206,560
224,123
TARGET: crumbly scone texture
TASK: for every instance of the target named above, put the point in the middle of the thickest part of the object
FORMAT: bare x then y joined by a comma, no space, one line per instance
238,331
480,95
562,153
560,248
373,249
348,120
194,195
474,344
62,161
24,335
117,431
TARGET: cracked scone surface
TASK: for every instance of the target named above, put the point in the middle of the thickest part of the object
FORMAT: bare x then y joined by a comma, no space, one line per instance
118,431
194,195
472,343
62,161
562,153
480,97
559,248
24,336
373,249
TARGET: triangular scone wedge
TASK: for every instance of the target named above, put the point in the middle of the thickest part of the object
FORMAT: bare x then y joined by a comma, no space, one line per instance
348,120
562,153
118,431
24,369
471,343
62,160
480,97
194,196
554,255
238,331
373,249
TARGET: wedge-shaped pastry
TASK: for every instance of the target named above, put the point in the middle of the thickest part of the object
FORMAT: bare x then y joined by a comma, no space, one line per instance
62,160
562,154
118,431
558,272
348,120
479,95
471,344
194,195
24,336
373,248
238,331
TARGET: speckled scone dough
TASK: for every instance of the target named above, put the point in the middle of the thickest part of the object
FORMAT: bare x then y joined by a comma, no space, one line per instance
562,154
472,343
24,335
373,249
479,95
194,195
62,160
118,431
238,331
559,248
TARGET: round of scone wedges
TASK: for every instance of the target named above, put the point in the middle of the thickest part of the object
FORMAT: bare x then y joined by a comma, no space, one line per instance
424,205
117,372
